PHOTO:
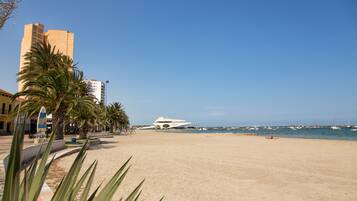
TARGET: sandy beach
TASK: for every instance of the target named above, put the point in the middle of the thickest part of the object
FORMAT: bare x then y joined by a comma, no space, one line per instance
187,167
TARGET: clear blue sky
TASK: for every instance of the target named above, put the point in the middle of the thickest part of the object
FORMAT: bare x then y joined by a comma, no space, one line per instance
210,62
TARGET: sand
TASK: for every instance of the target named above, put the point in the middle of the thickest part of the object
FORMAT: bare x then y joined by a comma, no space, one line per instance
187,167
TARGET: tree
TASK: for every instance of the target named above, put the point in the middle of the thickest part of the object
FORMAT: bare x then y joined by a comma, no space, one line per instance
51,80
117,117
83,114
101,121
39,60
6,9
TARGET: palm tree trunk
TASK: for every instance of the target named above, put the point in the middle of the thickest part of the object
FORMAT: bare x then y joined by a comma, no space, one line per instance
82,135
111,129
58,122
83,132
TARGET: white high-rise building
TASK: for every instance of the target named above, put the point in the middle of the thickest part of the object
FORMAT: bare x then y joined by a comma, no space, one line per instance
98,90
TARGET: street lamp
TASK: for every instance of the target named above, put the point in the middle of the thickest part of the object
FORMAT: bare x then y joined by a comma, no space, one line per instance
106,91
105,101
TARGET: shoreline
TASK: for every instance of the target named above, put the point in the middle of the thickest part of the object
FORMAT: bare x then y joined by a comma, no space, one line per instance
279,135
170,132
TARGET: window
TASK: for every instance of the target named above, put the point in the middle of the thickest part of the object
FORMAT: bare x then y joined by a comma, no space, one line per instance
3,109
8,127
1,125
9,109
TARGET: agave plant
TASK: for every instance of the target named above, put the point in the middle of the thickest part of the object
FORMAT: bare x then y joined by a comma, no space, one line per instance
25,184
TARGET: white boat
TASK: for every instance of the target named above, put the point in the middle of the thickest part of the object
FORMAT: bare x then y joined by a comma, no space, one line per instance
167,123
253,128
292,128
335,128
354,130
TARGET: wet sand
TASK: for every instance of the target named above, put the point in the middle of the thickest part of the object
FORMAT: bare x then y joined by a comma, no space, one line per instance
187,167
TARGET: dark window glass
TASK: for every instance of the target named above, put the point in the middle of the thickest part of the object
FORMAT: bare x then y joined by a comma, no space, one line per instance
1,125
9,108
8,126
164,122
3,109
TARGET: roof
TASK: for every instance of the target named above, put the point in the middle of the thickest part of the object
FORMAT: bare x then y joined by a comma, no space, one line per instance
8,94
2,91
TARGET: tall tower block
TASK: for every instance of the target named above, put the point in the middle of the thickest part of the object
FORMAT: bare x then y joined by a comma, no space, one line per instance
33,33
62,40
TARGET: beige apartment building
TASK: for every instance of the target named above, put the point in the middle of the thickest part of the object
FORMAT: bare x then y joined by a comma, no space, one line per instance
34,33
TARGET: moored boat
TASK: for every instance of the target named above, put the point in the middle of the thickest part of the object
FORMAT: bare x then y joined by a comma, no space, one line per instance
167,123
335,128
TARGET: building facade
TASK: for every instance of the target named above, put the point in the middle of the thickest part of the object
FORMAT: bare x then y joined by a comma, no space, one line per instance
6,108
62,39
98,90
34,33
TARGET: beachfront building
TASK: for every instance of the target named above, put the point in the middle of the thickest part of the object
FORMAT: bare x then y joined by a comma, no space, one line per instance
98,90
34,33
6,107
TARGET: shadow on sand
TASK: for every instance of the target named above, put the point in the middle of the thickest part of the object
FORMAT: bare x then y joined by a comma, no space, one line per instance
104,145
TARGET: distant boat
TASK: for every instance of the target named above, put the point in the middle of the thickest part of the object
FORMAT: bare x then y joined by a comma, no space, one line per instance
354,130
167,123
335,128
253,128
292,128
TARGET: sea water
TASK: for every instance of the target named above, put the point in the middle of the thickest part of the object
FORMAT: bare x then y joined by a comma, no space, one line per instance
310,133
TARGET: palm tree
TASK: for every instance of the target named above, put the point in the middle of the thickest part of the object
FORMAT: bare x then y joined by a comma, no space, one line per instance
101,121
123,121
117,117
84,118
84,111
40,59
51,80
